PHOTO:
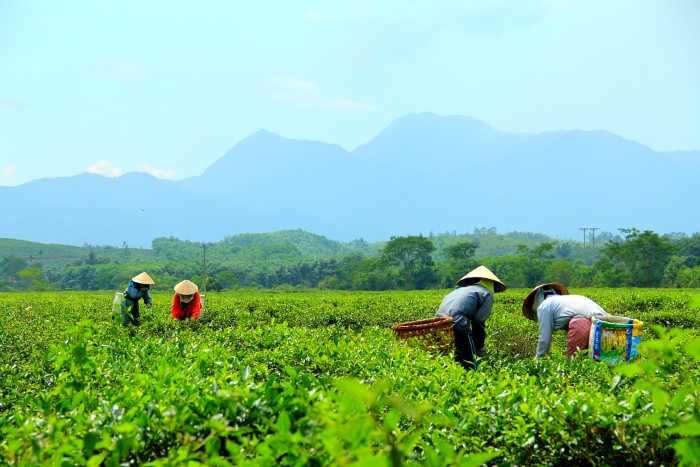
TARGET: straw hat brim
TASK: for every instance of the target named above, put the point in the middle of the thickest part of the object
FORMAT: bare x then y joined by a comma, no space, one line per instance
186,288
528,312
143,278
482,272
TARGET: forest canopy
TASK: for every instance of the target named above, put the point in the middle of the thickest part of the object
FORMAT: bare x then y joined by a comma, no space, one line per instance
299,259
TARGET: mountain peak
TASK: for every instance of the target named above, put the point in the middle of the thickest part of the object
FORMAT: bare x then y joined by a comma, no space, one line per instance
415,137
263,135
428,120
413,177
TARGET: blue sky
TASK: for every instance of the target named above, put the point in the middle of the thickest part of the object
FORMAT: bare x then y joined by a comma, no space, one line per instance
167,87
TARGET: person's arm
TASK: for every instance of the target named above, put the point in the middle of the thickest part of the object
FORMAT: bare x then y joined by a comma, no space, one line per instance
465,309
176,311
147,298
196,305
131,293
478,322
546,324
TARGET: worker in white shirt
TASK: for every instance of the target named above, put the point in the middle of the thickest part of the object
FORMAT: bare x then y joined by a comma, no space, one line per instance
554,308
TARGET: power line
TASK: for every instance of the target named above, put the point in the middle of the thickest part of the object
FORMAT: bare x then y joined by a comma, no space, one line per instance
592,229
204,265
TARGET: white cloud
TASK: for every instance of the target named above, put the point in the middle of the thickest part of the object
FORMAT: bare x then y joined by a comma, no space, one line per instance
9,176
168,174
304,93
342,103
9,171
105,168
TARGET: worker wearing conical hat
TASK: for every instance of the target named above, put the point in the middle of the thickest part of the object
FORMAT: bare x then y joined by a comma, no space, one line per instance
554,308
187,302
470,305
137,290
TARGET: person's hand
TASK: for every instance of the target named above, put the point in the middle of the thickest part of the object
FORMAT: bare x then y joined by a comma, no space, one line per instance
481,352
148,305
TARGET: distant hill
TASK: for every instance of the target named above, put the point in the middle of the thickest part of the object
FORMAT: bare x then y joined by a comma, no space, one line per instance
424,173
54,255
134,208
287,244
281,246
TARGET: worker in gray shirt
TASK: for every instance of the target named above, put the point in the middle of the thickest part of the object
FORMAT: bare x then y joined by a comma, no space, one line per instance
469,305
553,308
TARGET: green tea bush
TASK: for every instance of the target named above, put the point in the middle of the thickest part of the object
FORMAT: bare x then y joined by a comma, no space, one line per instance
318,378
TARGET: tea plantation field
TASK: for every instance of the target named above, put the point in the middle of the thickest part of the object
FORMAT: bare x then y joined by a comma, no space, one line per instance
318,378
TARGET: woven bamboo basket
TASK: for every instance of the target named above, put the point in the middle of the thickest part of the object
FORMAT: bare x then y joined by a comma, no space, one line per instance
434,334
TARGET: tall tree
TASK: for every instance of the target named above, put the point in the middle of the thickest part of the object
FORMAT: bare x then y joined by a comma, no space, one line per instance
690,248
638,261
537,260
412,256
10,266
461,251
459,260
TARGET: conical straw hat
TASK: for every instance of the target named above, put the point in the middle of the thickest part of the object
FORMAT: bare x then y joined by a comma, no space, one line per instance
529,301
482,272
186,288
143,278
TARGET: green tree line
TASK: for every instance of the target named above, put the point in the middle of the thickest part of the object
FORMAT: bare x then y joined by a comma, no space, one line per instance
297,259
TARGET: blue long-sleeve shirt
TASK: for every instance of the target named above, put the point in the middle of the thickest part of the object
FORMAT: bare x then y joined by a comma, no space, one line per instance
133,294
469,308
556,311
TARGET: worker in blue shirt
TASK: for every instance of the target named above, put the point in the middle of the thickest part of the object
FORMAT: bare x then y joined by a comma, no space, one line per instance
137,290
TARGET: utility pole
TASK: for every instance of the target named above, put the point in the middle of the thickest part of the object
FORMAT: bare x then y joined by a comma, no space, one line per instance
592,229
204,265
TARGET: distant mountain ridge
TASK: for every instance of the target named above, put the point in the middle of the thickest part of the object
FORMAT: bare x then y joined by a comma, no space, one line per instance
423,173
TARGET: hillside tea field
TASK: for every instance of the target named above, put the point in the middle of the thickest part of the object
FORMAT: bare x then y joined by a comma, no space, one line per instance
318,378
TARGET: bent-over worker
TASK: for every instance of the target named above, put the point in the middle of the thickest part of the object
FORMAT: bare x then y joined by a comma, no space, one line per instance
554,308
470,305
137,290
187,302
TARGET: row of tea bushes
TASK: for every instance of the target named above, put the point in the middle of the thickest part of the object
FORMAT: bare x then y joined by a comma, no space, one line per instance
318,379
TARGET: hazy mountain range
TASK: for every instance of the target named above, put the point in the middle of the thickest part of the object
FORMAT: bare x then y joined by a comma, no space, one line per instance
423,173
